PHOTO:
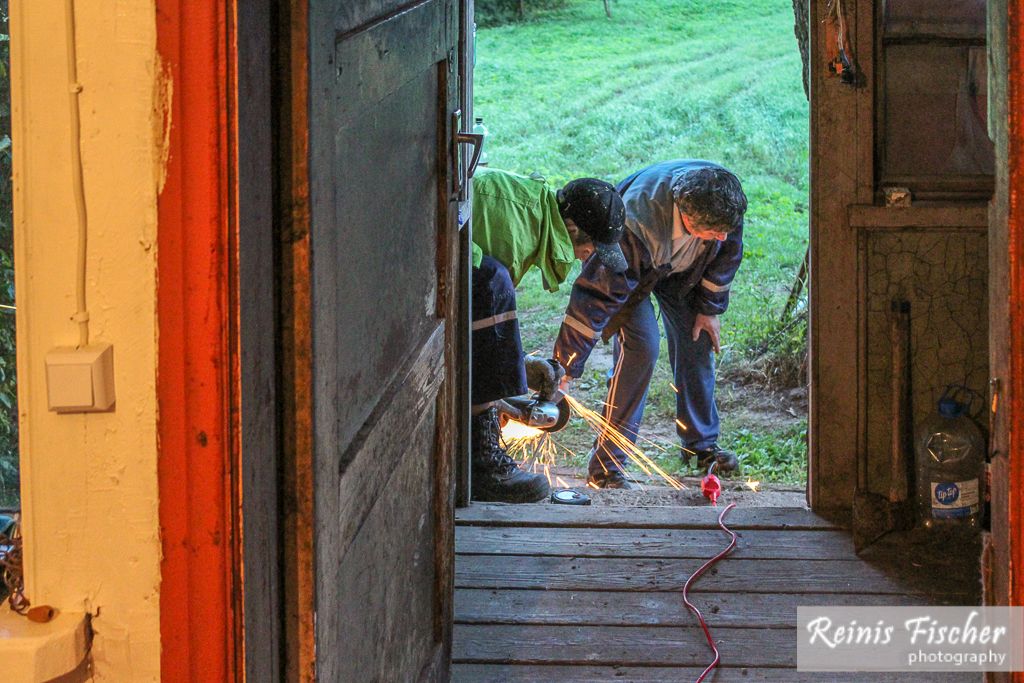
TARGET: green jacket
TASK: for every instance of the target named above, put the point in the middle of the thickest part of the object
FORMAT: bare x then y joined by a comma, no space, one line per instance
516,221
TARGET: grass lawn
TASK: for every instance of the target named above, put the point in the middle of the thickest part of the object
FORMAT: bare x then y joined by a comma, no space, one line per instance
572,93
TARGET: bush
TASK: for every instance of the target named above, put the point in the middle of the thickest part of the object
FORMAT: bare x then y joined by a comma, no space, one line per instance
497,12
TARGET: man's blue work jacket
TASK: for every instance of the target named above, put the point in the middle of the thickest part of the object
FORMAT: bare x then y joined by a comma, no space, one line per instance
600,298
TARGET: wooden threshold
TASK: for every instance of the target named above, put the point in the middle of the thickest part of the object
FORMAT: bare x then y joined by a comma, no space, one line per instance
606,516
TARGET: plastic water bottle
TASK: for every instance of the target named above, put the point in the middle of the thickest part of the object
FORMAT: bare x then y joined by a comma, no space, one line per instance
480,129
950,456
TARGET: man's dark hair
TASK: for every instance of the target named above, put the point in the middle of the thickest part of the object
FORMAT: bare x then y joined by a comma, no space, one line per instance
712,196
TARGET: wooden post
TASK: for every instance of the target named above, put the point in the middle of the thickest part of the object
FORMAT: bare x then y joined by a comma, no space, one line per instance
902,463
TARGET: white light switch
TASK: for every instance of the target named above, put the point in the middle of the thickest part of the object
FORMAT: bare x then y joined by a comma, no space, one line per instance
80,380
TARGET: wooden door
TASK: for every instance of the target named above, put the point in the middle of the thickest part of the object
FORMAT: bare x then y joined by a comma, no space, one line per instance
369,272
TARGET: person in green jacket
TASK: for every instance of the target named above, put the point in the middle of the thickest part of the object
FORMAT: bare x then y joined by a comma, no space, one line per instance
520,223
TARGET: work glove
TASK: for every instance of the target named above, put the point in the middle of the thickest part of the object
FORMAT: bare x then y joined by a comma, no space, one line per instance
542,376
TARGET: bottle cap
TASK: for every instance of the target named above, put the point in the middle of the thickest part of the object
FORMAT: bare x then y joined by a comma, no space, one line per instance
949,407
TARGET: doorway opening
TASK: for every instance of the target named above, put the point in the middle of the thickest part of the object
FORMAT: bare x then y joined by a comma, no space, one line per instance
581,88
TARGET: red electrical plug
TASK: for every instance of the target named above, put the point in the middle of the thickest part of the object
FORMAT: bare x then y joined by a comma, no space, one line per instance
711,486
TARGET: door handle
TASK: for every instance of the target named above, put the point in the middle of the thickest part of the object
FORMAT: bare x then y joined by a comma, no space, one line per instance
477,140
463,171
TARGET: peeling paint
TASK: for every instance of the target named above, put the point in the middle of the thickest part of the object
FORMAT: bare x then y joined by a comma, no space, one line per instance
163,96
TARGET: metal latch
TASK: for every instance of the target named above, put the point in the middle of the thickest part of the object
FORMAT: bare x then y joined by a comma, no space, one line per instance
464,173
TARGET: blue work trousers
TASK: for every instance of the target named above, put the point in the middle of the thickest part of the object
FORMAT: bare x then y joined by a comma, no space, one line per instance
497,349
633,359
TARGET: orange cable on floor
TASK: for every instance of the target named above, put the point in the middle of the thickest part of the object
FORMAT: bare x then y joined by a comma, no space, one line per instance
696,574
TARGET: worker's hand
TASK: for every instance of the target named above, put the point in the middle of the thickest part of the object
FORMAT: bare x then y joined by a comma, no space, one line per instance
507,411
542,376
709,324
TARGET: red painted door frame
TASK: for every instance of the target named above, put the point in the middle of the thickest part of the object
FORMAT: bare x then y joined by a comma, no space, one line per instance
1015,507
199,597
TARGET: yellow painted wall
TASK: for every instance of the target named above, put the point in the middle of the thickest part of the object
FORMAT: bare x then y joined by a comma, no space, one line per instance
89,482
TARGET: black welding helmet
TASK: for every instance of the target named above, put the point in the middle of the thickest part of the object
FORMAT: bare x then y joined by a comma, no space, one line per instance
596,209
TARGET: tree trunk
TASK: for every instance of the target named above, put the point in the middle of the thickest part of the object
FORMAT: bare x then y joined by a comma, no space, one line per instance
802,19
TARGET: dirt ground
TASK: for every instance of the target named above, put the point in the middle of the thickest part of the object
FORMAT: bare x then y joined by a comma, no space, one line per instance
651,494
745,405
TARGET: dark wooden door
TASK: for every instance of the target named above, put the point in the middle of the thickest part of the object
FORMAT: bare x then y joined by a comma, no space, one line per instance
369,337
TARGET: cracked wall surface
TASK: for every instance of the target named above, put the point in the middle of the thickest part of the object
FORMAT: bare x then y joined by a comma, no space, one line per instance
943,274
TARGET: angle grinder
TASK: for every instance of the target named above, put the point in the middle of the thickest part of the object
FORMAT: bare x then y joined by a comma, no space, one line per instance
547,416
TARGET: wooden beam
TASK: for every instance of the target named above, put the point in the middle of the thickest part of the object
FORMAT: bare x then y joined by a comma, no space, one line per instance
296,350
256,439
600,516
940,217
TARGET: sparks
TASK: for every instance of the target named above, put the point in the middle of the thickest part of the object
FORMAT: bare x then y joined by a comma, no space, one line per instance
561,482
673,387
534,450
753,485
606,430
517,431
681,425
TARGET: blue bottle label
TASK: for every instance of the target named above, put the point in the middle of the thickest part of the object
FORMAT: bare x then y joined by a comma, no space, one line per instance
951,499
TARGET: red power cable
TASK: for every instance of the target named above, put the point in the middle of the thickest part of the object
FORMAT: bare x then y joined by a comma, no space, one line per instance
703,568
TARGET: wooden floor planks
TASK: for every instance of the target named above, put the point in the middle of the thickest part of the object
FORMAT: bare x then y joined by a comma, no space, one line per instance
606,516
621,645
504,673
575,542
578,608
551,593
659,574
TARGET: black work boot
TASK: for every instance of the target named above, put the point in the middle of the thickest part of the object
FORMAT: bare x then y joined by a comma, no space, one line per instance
496,477
726,460
612,479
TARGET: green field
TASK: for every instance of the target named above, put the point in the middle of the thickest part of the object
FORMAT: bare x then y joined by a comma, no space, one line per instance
573,93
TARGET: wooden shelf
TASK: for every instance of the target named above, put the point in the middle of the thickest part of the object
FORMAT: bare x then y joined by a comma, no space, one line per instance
943,217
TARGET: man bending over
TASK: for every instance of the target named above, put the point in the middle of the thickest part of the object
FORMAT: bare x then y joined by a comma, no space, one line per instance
683,244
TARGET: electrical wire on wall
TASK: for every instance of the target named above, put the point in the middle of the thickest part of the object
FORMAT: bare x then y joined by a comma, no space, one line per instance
81,316
841,63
